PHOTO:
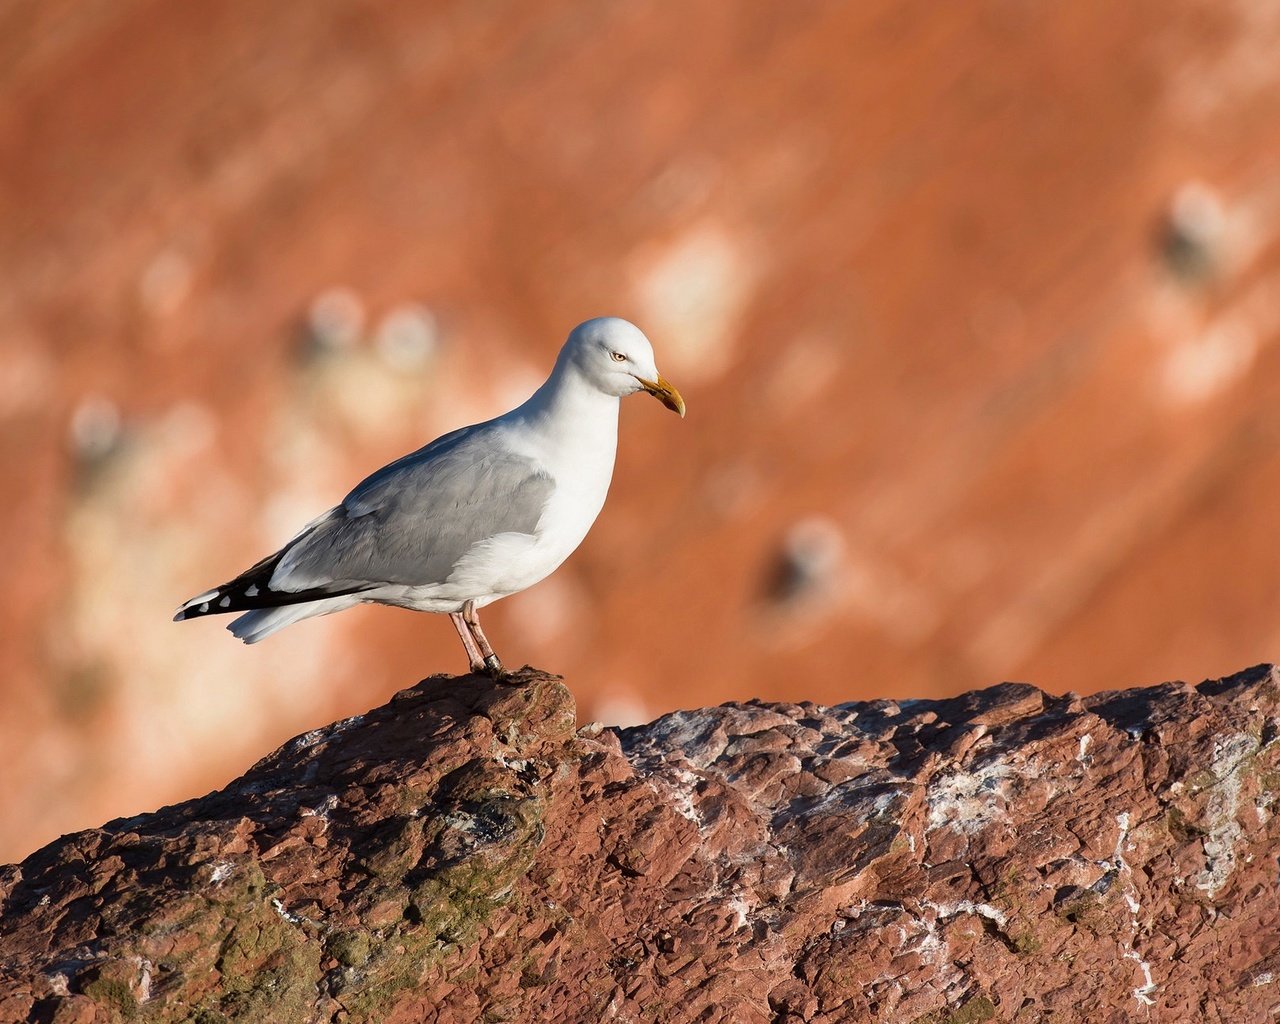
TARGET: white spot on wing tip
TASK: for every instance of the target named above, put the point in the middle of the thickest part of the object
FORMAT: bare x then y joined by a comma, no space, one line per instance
225,602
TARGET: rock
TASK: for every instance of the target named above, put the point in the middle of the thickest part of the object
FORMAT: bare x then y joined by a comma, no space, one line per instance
463,853
990,289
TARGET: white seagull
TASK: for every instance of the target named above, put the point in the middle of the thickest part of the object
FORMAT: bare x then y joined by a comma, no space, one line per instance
477,515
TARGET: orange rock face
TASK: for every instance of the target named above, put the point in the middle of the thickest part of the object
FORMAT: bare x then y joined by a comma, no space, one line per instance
973,308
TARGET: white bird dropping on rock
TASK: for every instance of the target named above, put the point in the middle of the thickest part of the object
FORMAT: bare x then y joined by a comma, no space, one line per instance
477,515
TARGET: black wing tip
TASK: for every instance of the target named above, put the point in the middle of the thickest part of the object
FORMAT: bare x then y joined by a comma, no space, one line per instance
209,603
246,595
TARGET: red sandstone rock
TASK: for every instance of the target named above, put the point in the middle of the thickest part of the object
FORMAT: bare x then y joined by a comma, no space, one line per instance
464,854
910,262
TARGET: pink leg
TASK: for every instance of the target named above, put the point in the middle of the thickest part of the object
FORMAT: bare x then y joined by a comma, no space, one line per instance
490,660
474,657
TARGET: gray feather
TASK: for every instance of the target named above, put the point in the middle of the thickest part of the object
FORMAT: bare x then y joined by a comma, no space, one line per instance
410,522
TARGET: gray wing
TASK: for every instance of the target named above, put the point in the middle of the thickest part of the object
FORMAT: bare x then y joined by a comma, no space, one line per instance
411,521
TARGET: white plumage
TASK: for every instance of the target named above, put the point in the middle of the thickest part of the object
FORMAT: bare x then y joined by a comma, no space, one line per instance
476,515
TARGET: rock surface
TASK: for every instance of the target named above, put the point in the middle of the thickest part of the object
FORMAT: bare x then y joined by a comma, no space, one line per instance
466,853
974,304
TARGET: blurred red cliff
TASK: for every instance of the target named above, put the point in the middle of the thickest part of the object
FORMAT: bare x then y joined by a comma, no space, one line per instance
974,307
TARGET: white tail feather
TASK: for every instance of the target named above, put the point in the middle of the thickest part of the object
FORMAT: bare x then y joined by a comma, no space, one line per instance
262,622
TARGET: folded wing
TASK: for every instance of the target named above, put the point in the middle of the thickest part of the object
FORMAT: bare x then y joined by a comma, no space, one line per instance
409,523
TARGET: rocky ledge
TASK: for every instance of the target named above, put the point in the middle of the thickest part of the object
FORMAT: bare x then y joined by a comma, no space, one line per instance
466,853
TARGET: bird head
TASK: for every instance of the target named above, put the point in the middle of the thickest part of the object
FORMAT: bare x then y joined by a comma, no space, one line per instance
616,357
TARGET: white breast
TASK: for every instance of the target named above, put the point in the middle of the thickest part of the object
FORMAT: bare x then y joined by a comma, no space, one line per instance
579,456
582,466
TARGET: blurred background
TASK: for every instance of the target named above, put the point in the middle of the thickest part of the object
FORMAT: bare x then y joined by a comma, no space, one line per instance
974,307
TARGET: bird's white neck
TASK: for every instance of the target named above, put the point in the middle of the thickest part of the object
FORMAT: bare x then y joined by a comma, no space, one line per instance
568,412
566,397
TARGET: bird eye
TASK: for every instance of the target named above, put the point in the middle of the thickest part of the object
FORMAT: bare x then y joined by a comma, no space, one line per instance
618,357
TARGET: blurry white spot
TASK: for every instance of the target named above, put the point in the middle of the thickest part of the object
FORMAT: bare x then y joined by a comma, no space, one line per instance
812,551
621,708
1194,232
691,295
1197,211
221,872
252,591
1085,740
335,319
407,337
95,428
225,603
1214,83
165,282
1200,368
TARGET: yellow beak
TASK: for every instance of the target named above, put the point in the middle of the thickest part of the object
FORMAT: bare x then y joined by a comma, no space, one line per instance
664,391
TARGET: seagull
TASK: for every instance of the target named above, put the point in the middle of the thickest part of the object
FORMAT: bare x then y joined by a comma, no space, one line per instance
479,514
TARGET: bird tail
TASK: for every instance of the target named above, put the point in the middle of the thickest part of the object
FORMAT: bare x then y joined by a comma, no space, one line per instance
262,622
251,589
268,609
